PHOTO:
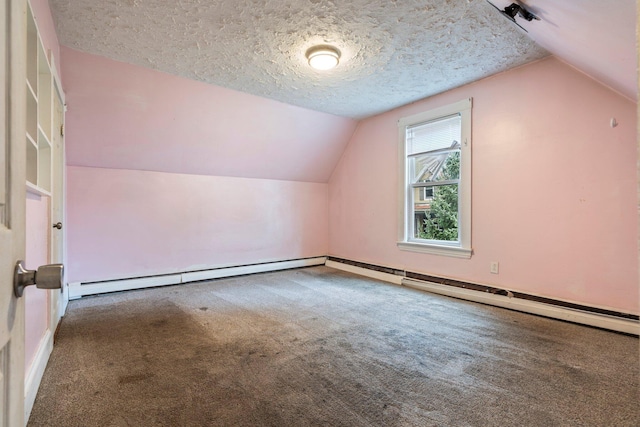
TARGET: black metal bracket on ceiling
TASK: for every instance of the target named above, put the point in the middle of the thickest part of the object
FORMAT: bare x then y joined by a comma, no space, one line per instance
514,9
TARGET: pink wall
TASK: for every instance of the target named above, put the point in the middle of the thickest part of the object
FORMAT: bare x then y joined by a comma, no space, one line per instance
553,184
554,189
37,254
127,117
166,174
124,223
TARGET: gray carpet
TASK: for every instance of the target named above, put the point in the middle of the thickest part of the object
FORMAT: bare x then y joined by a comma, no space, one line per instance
318,347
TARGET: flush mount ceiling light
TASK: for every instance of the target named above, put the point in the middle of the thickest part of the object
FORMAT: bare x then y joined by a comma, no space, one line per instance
323,57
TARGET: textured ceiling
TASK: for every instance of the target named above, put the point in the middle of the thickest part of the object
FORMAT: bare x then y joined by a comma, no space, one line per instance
393,51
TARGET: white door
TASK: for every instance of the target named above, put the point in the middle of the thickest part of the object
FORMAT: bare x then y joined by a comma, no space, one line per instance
61,298
12,207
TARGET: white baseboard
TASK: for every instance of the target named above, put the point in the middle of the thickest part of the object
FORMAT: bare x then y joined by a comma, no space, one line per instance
36,371
379,275
250,269
79,289
628,326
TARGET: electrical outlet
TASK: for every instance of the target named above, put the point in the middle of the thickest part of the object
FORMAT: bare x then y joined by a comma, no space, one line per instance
494,267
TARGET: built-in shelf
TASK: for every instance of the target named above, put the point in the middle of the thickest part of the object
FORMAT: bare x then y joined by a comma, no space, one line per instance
32,52
32,116
31,91
40,97
32,162
34,189
44,162
44,92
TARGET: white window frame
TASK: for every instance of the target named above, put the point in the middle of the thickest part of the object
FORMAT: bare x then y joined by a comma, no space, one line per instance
462,247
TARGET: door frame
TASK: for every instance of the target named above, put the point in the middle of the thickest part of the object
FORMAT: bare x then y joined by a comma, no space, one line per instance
58,254
12,230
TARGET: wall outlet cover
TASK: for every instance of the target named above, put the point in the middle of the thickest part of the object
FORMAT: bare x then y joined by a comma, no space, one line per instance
494,267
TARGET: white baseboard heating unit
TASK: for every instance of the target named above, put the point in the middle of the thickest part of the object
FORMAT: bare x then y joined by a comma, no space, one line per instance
604,321
81,289
561,310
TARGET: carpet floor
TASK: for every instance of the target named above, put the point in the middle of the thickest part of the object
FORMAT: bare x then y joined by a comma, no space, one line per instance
319,347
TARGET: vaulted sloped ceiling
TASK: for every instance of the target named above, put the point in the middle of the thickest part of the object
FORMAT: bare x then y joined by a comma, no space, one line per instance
598,37
393,52
154,121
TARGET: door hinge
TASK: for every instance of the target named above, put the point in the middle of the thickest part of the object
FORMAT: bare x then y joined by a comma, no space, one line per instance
61,130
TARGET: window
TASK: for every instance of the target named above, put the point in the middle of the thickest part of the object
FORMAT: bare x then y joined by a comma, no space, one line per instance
435,178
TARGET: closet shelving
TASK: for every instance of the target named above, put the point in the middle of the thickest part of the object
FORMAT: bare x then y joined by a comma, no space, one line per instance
39,86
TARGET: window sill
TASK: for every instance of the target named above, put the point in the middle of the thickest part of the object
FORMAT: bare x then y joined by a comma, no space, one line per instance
452,251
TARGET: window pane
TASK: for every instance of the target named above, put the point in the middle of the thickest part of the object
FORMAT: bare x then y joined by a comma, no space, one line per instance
435,167
435,135
436,217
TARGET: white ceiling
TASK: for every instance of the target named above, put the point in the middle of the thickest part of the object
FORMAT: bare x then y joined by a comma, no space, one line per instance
393,51
597,37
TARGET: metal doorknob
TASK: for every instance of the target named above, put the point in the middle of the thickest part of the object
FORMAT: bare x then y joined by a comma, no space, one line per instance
58,225
46,277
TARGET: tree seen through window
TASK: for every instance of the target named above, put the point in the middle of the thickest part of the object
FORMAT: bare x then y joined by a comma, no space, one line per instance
441,218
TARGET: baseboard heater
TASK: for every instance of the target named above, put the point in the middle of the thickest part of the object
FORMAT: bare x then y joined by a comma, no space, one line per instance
81,289
556,309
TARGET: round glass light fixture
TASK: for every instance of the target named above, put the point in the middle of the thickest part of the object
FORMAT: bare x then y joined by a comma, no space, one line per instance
323,57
